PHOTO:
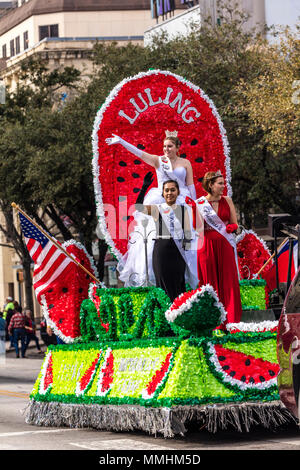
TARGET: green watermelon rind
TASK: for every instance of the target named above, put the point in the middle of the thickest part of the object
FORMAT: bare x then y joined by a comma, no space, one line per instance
232,382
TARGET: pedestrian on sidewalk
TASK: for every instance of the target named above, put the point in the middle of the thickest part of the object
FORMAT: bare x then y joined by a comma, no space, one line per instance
2,327
17,329
31,331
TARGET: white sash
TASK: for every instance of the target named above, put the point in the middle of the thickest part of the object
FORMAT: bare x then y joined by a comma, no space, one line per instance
177,233
212,219
166,168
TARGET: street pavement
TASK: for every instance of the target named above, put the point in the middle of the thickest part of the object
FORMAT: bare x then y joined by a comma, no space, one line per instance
17,377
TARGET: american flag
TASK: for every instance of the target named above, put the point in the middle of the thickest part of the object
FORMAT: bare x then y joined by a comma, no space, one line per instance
49,260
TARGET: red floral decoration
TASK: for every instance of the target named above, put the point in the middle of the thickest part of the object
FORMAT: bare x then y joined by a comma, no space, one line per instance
252,255
166,102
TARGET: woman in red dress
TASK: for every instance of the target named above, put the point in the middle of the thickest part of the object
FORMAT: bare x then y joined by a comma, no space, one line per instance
216,255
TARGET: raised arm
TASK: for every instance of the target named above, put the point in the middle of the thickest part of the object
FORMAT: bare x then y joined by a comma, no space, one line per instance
152,160
190,180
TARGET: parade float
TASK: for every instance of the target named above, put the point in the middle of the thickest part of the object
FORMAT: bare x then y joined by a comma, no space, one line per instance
132,360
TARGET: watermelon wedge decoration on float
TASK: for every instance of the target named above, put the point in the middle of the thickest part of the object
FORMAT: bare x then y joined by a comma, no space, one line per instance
86,380
195,311
46,381
62,298
140,109
241,370
252,254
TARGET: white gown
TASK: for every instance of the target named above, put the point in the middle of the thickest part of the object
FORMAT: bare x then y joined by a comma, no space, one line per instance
132,266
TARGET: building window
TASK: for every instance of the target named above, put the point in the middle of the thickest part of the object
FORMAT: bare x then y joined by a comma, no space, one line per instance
48,31
4,51
25,40
12,48
17,45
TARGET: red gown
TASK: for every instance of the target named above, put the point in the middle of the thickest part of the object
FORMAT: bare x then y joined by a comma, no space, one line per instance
217,267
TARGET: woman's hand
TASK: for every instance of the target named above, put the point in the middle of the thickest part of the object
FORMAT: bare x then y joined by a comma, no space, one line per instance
113,140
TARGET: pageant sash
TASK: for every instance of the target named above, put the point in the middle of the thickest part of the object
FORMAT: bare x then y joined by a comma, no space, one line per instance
166,168
175,229
214,221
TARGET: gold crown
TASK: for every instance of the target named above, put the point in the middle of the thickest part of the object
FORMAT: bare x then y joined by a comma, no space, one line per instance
171,133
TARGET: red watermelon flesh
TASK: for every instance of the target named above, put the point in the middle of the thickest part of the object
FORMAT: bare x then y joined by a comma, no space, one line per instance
158,377
244,370
121,173
47,380
88,375
63,298
106,376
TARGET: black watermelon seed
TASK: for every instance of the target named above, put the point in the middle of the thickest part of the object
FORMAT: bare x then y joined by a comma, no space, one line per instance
272,373
137,162
65,289
120,179
194,142
247,362
232,373
199,160
136,190
251,380
60,320
240,254
87,276
261,378
135,175
126,217
122,198
50,290
80,290
200,179
140,146
225,367
183,155
243,378
50,306
221,358
121,163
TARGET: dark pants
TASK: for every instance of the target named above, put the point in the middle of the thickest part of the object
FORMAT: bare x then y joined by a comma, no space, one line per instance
29,337
19,334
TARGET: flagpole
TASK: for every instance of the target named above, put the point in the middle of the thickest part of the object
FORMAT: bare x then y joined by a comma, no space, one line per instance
14,205
271,257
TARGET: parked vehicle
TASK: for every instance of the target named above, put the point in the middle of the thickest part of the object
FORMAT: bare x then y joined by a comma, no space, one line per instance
288,349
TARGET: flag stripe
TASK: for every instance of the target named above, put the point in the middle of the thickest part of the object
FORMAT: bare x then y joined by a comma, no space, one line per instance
46,260
41,287
49,261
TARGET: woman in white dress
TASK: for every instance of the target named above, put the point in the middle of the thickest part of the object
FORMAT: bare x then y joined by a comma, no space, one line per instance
132,267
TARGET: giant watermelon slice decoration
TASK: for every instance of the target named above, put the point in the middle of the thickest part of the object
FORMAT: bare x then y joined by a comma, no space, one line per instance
62,300
140,109
242,370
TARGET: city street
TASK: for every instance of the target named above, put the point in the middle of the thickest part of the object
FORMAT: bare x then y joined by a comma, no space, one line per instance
17,377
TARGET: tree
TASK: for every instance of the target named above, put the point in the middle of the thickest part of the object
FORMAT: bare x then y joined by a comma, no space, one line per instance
25,110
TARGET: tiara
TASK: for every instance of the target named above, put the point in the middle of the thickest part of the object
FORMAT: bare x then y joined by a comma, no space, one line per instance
171,133
216,175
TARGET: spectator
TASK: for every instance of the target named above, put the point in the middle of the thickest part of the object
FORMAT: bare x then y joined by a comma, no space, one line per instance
17,329
9,305
30,331
47,334
2,327
9,337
